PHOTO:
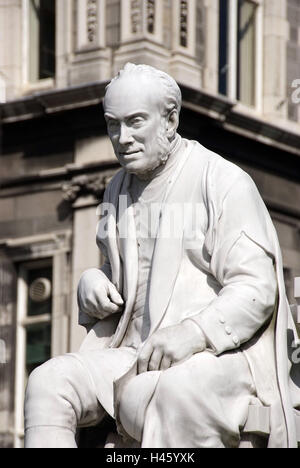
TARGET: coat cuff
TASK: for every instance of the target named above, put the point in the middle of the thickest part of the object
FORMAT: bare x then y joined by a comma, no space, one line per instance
219,334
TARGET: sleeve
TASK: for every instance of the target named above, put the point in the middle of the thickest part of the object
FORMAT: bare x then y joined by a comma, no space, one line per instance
243,263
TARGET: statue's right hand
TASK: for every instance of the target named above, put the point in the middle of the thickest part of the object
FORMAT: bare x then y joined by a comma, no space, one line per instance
97,296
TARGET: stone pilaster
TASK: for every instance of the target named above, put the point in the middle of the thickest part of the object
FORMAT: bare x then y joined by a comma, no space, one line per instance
63,41
91,59
211,63
183,64
142,34
275,40
11,48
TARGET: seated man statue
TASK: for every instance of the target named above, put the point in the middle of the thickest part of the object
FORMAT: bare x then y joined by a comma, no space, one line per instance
187,319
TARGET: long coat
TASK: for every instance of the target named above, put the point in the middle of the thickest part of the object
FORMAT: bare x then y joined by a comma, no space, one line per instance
229,206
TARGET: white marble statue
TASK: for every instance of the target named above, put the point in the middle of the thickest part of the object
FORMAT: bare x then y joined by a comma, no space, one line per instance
188,317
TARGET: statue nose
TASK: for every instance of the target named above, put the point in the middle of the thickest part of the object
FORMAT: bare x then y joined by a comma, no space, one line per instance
125,136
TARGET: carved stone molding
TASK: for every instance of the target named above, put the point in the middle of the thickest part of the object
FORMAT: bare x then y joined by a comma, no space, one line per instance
136,16
184,23
143,19
92,20
151,16
85,185
90,24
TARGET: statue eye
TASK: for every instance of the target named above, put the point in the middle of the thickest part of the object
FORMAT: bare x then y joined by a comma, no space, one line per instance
112,124
137,122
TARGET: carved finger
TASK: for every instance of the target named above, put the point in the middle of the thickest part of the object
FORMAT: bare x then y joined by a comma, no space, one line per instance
144,357
155,360
165,363
89,306
107,306
115,296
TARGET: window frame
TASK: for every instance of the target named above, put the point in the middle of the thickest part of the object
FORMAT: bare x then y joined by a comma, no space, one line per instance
39,250
232,42
22,322
40,84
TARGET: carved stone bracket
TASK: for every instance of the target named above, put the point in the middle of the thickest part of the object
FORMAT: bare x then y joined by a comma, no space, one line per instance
85,185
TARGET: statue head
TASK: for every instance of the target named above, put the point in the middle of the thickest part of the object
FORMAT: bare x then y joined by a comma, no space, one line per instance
142,106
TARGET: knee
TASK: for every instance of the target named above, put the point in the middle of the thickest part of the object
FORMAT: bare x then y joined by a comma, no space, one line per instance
170,389
134,401
45,379
197,375
49,396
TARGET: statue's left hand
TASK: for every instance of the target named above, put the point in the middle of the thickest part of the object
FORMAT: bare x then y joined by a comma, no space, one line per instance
171,345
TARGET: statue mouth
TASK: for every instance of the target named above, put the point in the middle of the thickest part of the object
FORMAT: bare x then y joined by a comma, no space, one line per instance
129,154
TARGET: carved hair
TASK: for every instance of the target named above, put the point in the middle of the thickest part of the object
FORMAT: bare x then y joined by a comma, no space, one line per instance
171,92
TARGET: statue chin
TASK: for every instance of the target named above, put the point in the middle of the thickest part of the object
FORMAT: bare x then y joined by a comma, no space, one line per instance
150,171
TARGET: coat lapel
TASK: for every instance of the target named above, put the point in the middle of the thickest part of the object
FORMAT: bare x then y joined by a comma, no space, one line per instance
112,235
128,253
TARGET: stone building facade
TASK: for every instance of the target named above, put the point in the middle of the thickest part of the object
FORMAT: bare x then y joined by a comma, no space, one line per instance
238,65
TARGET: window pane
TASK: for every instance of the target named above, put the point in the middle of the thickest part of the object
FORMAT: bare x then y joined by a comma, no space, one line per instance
42,39
39,291
246,52
47,39
38,345
223,47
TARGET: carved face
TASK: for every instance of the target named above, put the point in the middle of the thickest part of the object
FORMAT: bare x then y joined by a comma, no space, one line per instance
135,124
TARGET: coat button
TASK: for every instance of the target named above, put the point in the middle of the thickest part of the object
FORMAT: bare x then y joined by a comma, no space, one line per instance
221,319
228,330
236,340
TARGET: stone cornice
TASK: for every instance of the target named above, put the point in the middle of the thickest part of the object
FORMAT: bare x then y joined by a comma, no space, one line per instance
71,178
230,117
219,108
50,102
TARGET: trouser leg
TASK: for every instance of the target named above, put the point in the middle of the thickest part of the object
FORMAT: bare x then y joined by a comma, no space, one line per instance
60,395
202,403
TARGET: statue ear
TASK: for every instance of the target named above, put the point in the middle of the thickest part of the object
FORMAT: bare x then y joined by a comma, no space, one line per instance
172,123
